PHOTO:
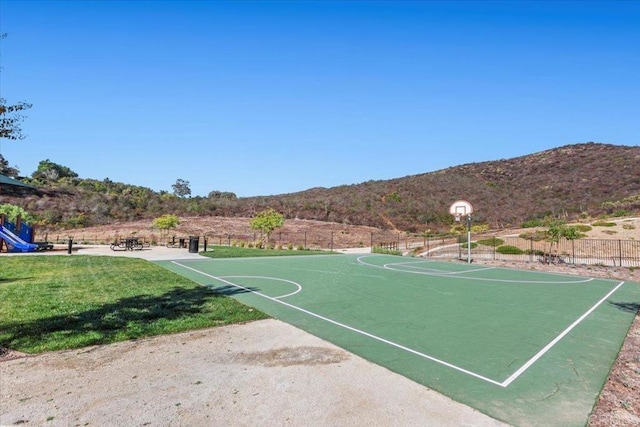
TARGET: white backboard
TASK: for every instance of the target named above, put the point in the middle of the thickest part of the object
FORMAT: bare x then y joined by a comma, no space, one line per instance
461,208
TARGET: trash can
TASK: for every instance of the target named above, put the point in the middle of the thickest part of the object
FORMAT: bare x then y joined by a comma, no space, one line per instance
194,243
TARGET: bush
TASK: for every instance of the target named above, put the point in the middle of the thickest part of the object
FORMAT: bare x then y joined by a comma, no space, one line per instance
533,223
466,246
604,224
509,250
583,228
493,242
379,250
538,236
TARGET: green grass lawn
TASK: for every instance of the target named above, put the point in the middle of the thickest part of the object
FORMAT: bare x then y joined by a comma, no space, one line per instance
59,302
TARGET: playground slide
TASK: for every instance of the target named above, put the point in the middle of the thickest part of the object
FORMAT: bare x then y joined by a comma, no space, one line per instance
16,242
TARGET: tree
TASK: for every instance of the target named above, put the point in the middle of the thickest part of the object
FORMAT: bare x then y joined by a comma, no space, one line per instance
181,188
7,170
11,116
165,223
50,171
267,221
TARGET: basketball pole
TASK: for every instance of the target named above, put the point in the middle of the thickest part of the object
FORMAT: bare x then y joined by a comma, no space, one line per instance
469,239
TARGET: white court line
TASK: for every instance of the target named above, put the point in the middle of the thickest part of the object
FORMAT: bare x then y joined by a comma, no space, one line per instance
342,325
503,384
389,266
546,348
266,278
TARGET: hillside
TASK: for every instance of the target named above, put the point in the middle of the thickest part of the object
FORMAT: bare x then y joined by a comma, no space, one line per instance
583,179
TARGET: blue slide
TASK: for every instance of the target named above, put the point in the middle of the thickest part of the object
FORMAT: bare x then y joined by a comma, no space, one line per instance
16,242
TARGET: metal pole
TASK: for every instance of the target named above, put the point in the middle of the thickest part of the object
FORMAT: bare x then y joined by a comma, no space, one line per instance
469,239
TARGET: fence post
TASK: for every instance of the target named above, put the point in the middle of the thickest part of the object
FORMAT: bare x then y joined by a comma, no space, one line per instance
530,249
620,252
573,252
331,241
372,241
305,240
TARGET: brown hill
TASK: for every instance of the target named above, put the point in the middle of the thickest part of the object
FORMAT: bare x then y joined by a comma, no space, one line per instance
588,179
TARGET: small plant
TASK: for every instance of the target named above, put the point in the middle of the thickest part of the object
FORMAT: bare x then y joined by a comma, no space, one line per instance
583,228
379,250
300,248
533,223
509,250
628,226
466,246
290,246
493,242
604,224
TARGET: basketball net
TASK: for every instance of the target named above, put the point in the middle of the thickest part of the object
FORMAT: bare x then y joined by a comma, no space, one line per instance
457,217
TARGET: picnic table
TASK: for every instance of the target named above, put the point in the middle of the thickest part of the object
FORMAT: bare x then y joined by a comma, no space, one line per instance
128,244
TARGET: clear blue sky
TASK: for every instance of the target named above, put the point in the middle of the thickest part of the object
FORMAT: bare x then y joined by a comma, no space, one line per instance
262,98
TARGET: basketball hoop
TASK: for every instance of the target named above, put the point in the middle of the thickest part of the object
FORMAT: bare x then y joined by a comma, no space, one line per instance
459,209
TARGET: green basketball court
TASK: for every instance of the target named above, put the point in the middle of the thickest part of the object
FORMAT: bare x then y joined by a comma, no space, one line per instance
524,347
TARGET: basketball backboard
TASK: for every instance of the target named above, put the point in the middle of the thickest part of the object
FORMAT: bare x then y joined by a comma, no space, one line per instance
460,208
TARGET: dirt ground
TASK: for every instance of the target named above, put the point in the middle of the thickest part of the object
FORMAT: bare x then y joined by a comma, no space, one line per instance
264,372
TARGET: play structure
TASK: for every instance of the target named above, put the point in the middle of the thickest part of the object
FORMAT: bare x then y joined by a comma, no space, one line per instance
15,243
19,237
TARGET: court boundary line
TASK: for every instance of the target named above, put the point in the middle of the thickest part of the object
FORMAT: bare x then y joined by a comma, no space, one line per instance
439,273
503,384
350,328
562,334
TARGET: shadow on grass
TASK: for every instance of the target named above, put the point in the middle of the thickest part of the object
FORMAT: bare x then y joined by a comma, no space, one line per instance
630,307
14,279
230,290
127,318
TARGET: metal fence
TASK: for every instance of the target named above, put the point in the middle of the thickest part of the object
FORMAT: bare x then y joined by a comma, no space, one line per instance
625,253
580,251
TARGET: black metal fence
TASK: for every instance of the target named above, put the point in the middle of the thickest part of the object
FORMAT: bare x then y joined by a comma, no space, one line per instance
625,253
579,251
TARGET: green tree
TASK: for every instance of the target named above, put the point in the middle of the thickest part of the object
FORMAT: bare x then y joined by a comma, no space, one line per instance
50,171
11,212
181,188
7,170
265,222
165,222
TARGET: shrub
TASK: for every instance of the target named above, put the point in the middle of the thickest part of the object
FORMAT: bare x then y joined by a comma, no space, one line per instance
538,236
379,250
300,248
290,246
533,223
604,224
466,246
509,250
493,242
583,228
628,226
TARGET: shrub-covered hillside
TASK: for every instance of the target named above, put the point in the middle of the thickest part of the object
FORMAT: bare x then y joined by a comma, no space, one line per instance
567,182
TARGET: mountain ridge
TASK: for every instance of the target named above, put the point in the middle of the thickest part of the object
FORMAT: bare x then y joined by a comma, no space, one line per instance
587,179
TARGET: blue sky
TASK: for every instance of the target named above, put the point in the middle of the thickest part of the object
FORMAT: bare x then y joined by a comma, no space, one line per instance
262,98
